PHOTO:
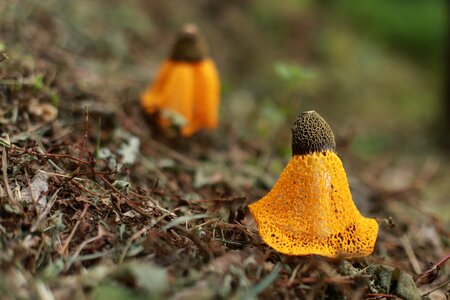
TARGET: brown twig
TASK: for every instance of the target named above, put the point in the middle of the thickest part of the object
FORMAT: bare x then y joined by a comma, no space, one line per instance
63,250
44,214
429,275
410,253
86,128
174,154
237,226
99,235
237,198
53,155
436,288
127,200
97,173
340,279
135,236
146,197
102,177
378,295
11,198
203,248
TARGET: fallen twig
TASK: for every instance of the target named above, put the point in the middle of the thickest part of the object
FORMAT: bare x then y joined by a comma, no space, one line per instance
340,279
410,253
430,275
74,257
93,172
202,247
2,57
377,295
86,128
172,153
44,214
127,200
131,240
11,198
63,250
237,198
436,288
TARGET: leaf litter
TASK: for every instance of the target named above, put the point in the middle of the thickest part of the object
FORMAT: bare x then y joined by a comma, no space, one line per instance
147,217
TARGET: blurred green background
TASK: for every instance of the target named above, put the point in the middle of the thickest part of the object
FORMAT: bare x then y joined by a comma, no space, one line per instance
375,69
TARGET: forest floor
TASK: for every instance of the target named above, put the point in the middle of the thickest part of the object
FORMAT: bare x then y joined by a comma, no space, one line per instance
96,203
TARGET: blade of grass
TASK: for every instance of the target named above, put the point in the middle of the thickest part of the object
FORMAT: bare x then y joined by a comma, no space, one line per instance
263,284
183,219
63,250
46,211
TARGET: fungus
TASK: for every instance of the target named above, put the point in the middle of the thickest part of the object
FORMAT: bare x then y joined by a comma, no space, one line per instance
186,89
310,208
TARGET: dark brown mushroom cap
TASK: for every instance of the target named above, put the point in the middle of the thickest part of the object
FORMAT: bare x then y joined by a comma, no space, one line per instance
311,133
189,45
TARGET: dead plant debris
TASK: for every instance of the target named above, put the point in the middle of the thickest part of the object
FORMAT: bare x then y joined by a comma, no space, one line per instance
93,203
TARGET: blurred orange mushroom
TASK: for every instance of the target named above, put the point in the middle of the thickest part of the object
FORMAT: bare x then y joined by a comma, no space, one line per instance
186,90
310,209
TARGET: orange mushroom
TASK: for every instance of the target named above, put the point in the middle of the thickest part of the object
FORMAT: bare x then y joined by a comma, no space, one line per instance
310,209
187,87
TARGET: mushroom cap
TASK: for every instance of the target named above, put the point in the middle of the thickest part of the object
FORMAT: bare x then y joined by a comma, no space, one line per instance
311,133
189,46
310,208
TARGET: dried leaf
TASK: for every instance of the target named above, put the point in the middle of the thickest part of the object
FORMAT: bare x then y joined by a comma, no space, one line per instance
45,111
129,149
39,188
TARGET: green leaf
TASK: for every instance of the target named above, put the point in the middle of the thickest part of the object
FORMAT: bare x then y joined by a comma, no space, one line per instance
292,72
54,99
54,269
133,280
113,291
38,82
